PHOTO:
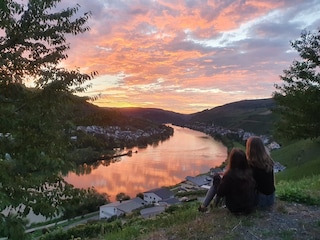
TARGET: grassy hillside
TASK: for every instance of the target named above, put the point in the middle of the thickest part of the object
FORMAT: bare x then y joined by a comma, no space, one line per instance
302,159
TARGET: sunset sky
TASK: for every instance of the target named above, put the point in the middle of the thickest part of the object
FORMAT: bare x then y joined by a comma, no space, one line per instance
187,56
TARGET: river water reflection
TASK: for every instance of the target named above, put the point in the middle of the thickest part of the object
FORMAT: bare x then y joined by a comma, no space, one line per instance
186,153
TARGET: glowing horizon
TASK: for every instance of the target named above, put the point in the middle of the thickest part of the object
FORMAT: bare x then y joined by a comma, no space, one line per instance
188,56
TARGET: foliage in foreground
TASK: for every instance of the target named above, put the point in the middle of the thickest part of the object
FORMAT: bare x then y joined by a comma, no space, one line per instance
35,131
298,98
84,201
84,231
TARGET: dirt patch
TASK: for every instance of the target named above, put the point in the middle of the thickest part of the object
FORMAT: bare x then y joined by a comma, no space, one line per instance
285,221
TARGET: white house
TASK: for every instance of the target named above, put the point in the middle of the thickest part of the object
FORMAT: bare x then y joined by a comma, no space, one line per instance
120,207
156,195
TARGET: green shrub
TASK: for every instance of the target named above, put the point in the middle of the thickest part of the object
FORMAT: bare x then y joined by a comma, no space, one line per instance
305,191
192,193
84,231
172,209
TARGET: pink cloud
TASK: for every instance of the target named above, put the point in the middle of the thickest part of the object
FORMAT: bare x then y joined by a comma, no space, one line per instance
238,48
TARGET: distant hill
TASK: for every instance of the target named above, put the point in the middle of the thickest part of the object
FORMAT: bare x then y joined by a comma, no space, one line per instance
251,115
84,113
154,114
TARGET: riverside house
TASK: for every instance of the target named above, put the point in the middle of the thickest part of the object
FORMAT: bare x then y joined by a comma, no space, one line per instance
157,195
120,208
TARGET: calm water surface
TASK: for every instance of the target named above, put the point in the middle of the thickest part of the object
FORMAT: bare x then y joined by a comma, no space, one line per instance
186,153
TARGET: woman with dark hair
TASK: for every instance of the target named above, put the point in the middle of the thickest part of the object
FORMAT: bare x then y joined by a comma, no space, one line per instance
262,167
237,185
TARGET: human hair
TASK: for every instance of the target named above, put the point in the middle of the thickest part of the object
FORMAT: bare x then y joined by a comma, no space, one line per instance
237,160
257,154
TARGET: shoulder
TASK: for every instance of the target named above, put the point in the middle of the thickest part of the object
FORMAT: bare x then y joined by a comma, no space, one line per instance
227,177
261,172
234,175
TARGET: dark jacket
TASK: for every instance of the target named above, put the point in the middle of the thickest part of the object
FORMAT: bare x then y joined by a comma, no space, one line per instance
264,180
238,188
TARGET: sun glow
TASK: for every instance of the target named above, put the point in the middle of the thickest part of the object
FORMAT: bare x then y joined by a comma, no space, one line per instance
188,55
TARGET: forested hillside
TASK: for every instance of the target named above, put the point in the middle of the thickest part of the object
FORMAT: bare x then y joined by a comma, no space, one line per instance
154,114
251,115
87,114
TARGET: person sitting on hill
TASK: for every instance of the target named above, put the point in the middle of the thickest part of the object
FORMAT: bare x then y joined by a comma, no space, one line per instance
237,186
211,192
262,166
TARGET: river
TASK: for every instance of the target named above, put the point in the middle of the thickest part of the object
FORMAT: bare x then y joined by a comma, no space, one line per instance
186,153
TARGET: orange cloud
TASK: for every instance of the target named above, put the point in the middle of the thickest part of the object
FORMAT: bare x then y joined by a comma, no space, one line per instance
161,47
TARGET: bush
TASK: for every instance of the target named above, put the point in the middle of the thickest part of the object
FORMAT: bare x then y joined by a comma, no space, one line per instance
304,191
84,201
84,231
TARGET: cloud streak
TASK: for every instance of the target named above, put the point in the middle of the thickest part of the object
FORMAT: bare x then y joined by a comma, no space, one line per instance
187,56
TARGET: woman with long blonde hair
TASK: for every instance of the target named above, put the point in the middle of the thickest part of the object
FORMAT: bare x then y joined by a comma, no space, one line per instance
261,164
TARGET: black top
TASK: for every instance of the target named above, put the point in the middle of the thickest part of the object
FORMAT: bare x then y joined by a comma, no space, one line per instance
264,180
239,191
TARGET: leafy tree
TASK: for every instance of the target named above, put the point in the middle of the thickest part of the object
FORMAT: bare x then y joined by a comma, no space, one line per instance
298,98
122,196
34,126
140,195
84,201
